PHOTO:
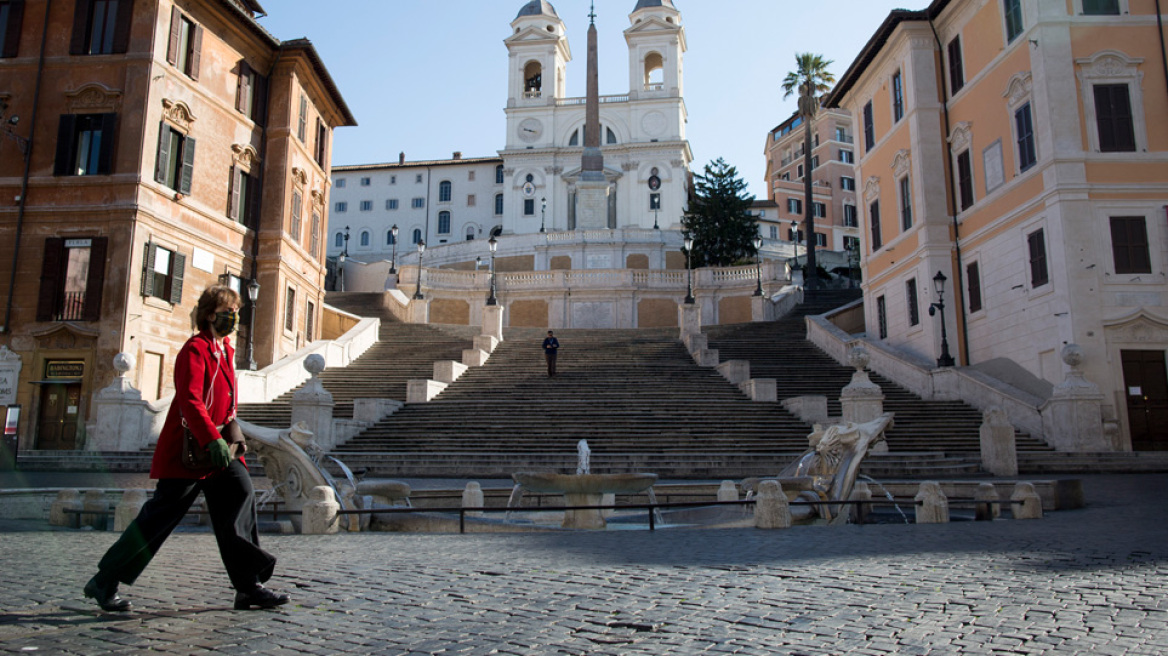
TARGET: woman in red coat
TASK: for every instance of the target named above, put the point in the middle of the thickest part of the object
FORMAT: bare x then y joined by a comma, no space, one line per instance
204,400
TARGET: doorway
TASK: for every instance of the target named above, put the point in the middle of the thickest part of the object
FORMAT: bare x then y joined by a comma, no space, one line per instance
1145,382
59,414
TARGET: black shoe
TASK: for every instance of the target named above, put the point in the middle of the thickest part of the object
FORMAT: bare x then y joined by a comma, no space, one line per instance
106,595
260,596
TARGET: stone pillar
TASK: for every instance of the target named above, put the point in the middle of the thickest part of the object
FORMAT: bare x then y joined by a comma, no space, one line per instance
128,509
1073,417
932,505
319,516
727,491
493,321
998,453
94,502
472,497
760,309
770,507
119,413
988,509
861,400
1025,502
735,371
66,501
689,317
313,405
860,511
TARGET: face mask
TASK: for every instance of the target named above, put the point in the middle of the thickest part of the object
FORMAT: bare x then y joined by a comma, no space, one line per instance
225,322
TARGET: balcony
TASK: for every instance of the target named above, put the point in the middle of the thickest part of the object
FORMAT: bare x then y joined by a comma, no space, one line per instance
72,307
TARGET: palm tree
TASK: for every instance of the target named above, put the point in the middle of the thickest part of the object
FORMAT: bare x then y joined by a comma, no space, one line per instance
810,79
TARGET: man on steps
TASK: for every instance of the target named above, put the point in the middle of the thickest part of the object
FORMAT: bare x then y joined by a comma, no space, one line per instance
550,344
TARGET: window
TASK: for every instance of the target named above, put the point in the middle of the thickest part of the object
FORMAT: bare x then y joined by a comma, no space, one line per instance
850,217
417,239
290,310
390,240
847,184
964,180
314,245
498,204
302,121
340,206
366,206
470,200
851,243
364,238
391,204
85,144
499,174
72,278
874,218
251,93
1024,125
1036,242
794,206
973,281
1101,7
654,202
444,191
906,218
529,207
175,166
814,162
162,273
309,320
339,240
444,223
869,127
774,232
882,317
1012,10
799,172
365,182
820,239
418,179
393,179
1129,244
11,15
910,294
186,44
297,208
101,27
470,176
847,156
418,203
339,183
897,97
244,199
470,233
956,66
321,142
819,210
1113,118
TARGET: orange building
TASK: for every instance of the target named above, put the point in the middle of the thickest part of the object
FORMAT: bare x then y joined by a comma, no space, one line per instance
153,147
1019,148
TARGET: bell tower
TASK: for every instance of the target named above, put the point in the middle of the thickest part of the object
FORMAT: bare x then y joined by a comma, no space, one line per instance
539,53
656,40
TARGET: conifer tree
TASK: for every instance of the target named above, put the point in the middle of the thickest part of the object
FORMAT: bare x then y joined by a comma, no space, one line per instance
719,219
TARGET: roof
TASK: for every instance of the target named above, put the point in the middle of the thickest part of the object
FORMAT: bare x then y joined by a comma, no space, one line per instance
405,165
538,8
648,4
305,46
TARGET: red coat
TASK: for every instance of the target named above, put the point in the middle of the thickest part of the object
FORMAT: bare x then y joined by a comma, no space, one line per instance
199,374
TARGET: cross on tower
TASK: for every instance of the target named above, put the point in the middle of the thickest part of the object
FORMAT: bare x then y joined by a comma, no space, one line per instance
592,13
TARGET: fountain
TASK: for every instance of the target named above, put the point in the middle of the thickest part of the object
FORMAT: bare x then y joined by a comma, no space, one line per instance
583,488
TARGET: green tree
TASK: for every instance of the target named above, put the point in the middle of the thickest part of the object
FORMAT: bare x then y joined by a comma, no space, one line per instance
719,219
810,80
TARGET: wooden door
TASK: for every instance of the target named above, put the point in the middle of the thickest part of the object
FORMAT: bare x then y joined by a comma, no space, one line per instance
1145,381
60,413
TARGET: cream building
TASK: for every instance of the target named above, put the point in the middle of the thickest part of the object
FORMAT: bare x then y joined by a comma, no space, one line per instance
1018,147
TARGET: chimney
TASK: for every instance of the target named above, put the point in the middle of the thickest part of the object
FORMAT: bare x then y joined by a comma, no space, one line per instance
401,158
458,154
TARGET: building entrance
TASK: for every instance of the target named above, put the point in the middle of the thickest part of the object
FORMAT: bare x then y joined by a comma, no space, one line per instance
1145,382
60,412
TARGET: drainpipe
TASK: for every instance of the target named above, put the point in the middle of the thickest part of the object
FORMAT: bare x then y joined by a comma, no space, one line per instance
959,283
1160,32
36,102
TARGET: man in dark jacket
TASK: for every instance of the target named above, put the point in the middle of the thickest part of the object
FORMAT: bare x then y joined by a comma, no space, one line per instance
549,352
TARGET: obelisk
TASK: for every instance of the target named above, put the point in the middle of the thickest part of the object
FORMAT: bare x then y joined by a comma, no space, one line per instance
592,186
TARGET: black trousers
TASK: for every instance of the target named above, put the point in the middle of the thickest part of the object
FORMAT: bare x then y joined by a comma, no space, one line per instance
551,362
231,504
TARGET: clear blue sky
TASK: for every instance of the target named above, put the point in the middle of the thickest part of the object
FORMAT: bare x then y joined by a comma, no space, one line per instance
429,77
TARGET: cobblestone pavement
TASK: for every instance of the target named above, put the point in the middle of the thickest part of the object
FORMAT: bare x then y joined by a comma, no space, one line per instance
1086,581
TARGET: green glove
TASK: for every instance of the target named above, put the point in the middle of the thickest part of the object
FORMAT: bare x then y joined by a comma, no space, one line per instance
220,453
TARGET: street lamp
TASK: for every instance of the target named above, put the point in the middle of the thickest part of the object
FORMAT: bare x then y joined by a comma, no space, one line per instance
945,360
853,260
393,262
418,288
341,261
655,226
689,297
758,264
253,293
542,213
492,244
795,239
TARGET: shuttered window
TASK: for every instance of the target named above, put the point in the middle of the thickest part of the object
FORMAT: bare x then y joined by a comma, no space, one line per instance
874,219
964,180
1036,243
175,165
956,66
162,273
11,20
243,198
72,279
251,93
101,27
882,317
973,280
85,144
1129,244
1113,118
185,48
910,294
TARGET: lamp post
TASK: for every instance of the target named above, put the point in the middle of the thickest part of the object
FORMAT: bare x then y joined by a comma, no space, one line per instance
341,261
493,245
253,294
795,239
418,288
393,261
655,226
758,263
689,297
853,260
945,360
542,213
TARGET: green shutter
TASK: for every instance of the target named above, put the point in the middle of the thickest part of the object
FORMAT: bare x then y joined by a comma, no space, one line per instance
188,166
178,264
148,270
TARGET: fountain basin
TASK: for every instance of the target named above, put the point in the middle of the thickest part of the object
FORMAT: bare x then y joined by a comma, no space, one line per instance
584,490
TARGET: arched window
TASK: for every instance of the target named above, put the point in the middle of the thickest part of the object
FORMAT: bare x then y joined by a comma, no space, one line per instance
654,72
364,237
470,233
444,223
444,191
390,240
499,174
532,80
339,241
417,236
610,135
574,140
498,204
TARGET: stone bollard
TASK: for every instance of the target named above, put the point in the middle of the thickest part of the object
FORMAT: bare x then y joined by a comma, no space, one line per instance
861,492
472,497
128,509
607,499
1025,502
58,513
932,505
320,513
998,451
93,501
770,506
728,491
988,508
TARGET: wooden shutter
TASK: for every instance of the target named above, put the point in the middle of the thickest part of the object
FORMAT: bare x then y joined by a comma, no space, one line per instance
12,29
51,270
147,287
175,36
1129,244
259,101
254,200
122,28
65,134
973,275
188,165
109,133
95,281
163,164
1038,272
81,9
242,86
196,56
233,194
178,264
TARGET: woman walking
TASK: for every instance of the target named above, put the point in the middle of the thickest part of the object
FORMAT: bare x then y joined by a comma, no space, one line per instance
204,401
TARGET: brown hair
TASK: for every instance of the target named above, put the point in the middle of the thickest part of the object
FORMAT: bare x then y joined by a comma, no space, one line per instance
212,298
